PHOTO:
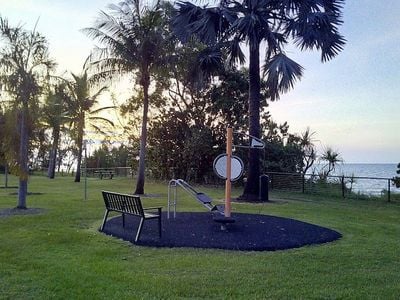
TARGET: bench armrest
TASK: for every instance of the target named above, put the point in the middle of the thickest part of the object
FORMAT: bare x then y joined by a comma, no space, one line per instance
147,208
154,208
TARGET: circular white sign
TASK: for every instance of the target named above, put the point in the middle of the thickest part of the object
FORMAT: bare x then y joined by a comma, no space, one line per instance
236,167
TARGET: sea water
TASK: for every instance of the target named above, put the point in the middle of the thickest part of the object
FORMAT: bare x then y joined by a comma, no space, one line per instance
368,178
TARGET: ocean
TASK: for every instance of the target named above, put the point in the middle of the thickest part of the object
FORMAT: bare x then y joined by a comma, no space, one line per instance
367,176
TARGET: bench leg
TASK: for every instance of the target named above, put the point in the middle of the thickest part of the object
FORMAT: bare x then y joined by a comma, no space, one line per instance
139,229
159,226
104,220
123,220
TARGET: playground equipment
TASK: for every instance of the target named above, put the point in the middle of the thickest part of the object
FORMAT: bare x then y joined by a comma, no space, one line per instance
205,200
226,166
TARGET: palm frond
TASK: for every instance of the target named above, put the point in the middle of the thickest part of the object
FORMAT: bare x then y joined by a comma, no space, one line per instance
210,60
101,119
317,28
93,112
208,24
98,93
281,73
235,53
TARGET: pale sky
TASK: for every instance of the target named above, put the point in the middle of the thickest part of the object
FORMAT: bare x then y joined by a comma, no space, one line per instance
351,102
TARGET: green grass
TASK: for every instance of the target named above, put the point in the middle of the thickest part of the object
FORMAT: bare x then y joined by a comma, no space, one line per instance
60,254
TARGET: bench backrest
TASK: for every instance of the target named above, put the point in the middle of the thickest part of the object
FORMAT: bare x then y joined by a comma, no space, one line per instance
123,203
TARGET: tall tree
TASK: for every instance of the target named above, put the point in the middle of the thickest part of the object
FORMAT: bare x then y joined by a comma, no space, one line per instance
271,24
82,109
133,40
54,116
24,63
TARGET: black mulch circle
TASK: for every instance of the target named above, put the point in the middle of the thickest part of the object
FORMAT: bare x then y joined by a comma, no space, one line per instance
250,232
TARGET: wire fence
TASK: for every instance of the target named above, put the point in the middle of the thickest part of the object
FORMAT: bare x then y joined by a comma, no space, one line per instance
341,186
336,186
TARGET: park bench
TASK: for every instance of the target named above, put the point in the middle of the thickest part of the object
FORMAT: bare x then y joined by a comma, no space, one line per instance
105,173
131,205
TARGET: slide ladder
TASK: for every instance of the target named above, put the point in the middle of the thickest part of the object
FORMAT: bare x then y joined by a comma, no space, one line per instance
205,200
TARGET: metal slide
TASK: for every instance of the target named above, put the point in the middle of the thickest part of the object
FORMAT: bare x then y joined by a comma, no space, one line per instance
200,197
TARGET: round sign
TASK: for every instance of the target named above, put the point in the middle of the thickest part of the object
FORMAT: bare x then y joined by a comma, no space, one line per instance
220,166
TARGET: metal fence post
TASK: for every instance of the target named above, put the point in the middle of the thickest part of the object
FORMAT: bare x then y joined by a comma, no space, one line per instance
272,181
303,182
343,187
388,190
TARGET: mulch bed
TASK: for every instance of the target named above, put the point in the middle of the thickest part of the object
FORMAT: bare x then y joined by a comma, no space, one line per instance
250,232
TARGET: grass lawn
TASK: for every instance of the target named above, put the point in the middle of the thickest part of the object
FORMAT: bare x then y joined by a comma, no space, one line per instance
60,253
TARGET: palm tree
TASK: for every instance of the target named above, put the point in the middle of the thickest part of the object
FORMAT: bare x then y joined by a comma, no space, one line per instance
331,159
24,63
271,24
81,110
134,41
308,148
54,117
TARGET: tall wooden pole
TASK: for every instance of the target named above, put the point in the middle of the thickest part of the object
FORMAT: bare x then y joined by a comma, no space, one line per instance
229,133
85,169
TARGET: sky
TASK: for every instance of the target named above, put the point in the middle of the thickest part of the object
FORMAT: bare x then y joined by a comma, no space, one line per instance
350,102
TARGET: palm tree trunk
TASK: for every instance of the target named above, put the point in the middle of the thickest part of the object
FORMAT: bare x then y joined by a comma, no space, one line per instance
6,176
251,189
143,140
80,147
53,154
23,159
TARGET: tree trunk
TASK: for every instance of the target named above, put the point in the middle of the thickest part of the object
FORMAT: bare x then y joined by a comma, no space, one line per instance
143,139
6,175
23,159
251,189
53,154
59,162
80,147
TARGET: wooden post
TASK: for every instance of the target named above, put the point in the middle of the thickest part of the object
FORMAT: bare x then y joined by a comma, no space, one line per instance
85,170
229,133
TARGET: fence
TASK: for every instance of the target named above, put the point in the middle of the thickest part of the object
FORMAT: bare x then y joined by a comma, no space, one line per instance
342,186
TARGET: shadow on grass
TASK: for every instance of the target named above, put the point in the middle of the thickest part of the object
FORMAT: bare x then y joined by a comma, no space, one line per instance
8,212
30,194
